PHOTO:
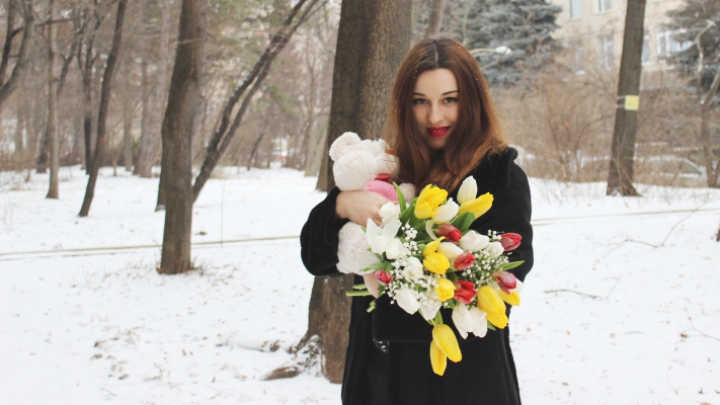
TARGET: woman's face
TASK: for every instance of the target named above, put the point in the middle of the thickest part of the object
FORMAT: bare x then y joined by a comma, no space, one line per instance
435,106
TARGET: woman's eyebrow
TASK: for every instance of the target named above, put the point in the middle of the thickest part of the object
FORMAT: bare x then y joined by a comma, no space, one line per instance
444,94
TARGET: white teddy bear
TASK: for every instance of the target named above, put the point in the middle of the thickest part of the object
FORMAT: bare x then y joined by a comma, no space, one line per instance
362,165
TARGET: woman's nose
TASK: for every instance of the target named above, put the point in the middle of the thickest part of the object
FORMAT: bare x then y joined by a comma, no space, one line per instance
436,116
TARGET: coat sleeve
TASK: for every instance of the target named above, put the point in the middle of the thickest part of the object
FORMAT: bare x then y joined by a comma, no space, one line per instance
511,212
319,237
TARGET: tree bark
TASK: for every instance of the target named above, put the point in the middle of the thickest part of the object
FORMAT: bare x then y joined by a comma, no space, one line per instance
226,130
177,129
622,154
103,110
712,168
437,9
127,134
52,135
7,88
373,38
20,128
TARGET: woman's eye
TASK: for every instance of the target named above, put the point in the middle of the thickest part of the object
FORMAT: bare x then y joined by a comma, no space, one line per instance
451,100
419,101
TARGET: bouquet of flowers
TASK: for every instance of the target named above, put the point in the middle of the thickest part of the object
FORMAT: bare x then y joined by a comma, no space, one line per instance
428,258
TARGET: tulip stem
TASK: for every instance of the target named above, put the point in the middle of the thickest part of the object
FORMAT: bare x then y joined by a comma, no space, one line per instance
360,293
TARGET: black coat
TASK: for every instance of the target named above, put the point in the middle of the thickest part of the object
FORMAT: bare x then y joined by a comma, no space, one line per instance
486,374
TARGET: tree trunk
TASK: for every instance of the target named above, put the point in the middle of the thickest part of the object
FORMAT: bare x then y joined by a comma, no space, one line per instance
20,128
373,38
712,168
182,108
622,154
52,135
7,88
103,110
226,130
437,8
127,134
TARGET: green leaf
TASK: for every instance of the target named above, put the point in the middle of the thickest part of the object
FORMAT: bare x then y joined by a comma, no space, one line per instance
374,266
490,326
463,222
511,265
371,306
408,212
401,197
359,287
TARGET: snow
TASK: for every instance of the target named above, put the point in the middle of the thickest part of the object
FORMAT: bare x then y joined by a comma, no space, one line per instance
621,306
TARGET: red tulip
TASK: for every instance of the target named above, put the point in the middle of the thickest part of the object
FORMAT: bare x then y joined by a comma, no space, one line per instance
464,261
506,281
465,291
510,241
450,233
383,277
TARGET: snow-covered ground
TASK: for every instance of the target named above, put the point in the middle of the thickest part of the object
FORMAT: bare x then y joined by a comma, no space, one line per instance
621,308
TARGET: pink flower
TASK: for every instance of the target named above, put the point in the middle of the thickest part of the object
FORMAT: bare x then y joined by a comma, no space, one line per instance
464,261
506,280
465,291
383,277
510,241
450,233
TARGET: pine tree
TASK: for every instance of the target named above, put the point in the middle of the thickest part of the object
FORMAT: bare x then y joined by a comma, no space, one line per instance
697,17
509,37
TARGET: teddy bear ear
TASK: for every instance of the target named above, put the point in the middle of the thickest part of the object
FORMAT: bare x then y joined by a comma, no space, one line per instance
338,147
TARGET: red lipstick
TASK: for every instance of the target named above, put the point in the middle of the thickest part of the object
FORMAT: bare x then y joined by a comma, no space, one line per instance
438,132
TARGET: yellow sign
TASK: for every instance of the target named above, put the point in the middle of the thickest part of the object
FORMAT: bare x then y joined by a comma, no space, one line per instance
632,103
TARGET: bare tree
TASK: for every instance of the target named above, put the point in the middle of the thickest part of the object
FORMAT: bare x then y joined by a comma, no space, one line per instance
226,130
103,110
152,110
177,127
622,153
7,88
52,135
437,8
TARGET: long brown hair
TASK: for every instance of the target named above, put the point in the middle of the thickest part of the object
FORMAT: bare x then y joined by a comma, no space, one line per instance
477,132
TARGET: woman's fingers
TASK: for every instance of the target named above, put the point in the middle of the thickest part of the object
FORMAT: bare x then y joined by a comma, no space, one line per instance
359,206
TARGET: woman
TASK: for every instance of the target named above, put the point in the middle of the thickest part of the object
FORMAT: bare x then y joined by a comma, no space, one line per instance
443,129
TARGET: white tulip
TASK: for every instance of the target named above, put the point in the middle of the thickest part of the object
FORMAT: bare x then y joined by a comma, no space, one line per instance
450,250
474,242
446,212
495,249
462,321
468,190
429,308
378,238
388,212
413,270
478,322
407,300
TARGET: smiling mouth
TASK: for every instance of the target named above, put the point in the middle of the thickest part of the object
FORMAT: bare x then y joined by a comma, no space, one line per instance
438,132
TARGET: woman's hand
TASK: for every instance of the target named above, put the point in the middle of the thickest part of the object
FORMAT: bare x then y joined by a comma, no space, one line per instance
359,206
372,284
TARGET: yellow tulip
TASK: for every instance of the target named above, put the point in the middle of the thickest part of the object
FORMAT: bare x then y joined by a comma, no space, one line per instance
498,319
489,300
513,298
478,206
438,359
429,201
445,339
436,263
445,289
432,246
